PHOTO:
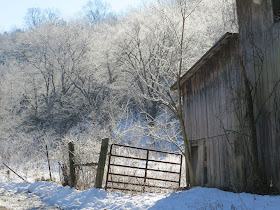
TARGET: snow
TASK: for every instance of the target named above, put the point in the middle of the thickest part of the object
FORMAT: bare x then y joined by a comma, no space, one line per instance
65,197
15,197
211,198
54,195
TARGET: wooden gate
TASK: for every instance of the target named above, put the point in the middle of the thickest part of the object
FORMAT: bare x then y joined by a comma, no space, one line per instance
142,170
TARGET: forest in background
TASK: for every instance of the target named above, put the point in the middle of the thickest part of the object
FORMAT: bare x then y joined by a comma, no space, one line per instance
99,75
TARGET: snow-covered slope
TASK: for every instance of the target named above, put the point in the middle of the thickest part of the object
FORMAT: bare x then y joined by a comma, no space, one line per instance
55,195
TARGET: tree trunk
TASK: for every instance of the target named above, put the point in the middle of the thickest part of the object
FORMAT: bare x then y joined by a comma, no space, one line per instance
187,155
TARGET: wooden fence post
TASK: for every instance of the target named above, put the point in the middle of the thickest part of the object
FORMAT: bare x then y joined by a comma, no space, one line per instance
47,152
71,164
15,172
101,163
146,170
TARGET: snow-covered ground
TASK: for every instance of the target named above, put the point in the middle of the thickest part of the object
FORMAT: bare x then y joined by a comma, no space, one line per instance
53,195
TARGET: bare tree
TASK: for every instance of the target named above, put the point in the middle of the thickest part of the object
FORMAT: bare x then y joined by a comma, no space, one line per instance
95,11
157,48
173,68
36,16
56,57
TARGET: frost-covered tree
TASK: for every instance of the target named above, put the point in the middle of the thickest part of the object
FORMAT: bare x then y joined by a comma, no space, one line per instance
55,58
105,70
163,43
36,16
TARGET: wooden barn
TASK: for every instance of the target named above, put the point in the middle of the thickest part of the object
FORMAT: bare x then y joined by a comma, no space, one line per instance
215,114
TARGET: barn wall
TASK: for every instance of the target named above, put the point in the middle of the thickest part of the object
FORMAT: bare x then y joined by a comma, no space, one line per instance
214,107
260,39
268,107
209,113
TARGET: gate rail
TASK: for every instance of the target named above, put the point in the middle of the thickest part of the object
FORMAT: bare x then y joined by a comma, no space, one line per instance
146,168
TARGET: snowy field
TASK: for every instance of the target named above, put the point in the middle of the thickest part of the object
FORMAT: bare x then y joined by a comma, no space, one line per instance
49,195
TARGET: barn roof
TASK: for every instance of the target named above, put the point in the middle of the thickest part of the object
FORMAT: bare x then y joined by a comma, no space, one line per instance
210,53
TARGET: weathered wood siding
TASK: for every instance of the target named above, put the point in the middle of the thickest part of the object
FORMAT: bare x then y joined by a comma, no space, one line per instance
268,104
213,104
208,113
260,38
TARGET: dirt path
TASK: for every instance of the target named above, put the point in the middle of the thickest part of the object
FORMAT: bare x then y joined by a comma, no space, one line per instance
21,201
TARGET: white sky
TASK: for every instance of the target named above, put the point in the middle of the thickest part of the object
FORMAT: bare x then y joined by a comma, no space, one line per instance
12,12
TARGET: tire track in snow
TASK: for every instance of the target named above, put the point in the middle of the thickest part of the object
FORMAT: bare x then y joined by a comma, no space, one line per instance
21,201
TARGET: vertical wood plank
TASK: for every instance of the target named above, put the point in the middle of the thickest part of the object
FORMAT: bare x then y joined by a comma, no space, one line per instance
101,163
71,151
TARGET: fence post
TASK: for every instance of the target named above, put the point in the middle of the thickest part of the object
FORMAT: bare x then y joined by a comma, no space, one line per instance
181,160
108,169
101,163
47,152
71,164
146,170
15,172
